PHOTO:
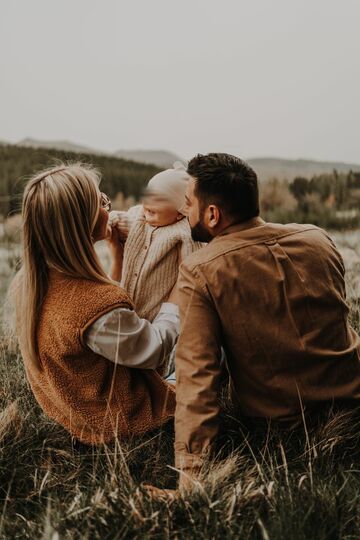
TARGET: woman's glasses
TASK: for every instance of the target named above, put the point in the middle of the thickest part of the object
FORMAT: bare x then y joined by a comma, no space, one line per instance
105,202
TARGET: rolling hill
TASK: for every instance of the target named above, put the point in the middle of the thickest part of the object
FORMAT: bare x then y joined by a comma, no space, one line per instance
62,145
288,169
160,158
266,167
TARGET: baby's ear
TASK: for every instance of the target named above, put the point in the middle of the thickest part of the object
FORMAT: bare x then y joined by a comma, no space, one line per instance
179,216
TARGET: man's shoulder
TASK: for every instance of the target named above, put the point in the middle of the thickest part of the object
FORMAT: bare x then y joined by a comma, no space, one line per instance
199,257
206,254
281,230
241,240
306,232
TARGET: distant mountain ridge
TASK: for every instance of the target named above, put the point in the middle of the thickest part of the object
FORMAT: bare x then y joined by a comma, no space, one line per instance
160,158
64,145
287,169
266,167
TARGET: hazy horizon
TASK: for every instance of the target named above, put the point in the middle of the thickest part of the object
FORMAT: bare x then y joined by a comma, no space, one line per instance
254,79
110,153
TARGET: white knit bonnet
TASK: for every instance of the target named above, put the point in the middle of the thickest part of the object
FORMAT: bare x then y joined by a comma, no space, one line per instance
171,184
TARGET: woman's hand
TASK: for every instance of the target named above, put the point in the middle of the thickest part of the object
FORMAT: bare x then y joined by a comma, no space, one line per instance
116,246
120,221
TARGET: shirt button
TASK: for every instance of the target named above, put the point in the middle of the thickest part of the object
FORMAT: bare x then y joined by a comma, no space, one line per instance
145,247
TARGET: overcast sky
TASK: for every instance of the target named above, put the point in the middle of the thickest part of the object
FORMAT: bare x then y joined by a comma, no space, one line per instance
250,77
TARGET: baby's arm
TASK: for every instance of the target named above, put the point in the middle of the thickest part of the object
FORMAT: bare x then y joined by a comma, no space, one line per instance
188,246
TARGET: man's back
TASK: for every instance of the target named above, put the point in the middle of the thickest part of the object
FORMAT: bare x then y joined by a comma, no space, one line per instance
274,297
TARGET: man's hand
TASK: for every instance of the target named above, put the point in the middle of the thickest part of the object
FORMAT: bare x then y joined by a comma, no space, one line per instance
158,493
187,481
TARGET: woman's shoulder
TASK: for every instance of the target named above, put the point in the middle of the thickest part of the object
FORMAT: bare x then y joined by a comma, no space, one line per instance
111,290
86,291
72,303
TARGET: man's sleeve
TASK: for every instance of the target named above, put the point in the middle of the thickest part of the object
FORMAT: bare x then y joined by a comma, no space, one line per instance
198,369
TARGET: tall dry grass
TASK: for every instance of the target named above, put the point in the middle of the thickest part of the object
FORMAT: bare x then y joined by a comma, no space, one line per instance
264,484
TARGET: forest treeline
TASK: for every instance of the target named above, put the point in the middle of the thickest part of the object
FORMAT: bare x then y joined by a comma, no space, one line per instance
18,163
328,200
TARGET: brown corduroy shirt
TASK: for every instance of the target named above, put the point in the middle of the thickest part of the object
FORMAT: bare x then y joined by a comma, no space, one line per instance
273,296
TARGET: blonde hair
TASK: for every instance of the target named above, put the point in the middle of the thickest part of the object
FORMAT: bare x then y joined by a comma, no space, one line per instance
60,210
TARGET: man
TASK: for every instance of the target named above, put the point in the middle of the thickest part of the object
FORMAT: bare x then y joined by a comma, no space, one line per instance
272,296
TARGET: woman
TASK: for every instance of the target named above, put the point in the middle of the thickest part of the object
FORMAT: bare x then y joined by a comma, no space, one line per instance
77,330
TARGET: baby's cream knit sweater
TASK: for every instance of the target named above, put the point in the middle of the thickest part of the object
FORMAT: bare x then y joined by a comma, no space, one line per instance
152,257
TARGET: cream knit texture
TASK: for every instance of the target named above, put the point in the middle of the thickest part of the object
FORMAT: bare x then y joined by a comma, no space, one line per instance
152,257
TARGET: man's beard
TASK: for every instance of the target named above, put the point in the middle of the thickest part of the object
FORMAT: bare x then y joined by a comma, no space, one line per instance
199,233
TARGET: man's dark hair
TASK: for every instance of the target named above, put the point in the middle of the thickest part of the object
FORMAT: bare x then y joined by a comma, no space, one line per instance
228,182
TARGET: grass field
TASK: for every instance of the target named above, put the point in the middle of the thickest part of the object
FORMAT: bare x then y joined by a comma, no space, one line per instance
301,484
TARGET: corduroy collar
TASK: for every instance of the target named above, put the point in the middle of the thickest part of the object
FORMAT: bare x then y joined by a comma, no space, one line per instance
243,226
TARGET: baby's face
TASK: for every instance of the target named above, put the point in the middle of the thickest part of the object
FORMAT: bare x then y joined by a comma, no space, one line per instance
159,212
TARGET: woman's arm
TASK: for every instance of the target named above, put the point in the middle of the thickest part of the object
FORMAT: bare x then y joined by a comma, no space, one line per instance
116,246
120,224
124,338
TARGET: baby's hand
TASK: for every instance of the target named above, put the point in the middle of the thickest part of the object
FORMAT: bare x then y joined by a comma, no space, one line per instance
119,221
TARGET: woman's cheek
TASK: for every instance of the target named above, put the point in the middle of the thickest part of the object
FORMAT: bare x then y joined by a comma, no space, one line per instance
106,219
101,227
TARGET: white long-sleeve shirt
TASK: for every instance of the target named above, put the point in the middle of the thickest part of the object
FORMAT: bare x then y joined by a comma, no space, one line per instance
124,338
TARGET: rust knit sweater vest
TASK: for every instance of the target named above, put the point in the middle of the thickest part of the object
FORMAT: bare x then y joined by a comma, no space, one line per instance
93,398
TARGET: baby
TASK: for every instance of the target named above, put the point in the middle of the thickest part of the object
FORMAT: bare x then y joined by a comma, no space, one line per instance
158,238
